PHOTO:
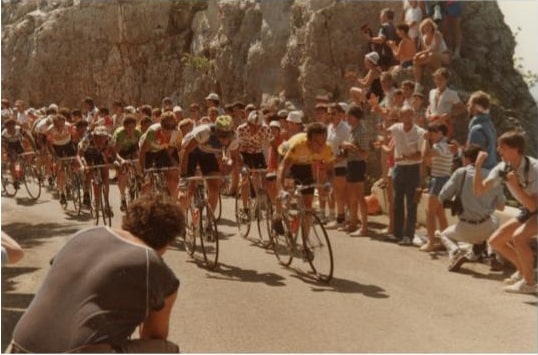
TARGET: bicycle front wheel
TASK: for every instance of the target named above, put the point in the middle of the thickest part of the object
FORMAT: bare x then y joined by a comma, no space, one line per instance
264,215
282,245
209,237
242,218
8,186
317,248
189,236
76,195
32,182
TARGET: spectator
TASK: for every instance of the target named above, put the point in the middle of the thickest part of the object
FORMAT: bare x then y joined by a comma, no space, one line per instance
481,129
433,50
519,173
451,26
476,222
408,88
194,110
213,100
444,103
408,141
357,147
438,157
420,109
370,83
167,104
130,287
412,18
386,32
405,51
11,250
118,114
337,133
321,114
178,112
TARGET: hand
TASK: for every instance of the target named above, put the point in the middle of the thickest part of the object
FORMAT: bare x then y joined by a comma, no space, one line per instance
351,76
511,179
454,146
481,158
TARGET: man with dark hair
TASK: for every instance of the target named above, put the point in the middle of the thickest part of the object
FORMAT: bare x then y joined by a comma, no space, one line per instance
476,222
386,32
130,286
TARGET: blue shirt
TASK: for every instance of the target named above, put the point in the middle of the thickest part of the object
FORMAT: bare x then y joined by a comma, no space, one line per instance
483,133
474,208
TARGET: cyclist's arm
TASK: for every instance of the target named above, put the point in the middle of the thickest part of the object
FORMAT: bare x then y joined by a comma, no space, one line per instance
157,323
283,171
30,139
184,154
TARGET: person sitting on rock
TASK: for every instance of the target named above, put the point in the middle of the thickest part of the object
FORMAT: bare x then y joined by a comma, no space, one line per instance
405,51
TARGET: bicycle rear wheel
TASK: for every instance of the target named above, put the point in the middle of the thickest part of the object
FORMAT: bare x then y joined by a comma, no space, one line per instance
97,209
317,248
264,215
76,194
32,182
209,237
7,183
189,236
282,245
241,217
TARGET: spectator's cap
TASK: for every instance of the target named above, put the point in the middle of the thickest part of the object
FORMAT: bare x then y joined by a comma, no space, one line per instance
130,109
177,108
250,107
295,116
275,124
321,106
344,106
167,100
213,96
100,131
372,57
255,117
53,107
323,98
282,114
31,111
418,93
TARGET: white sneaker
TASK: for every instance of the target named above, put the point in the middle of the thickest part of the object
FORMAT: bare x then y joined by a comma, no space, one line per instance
515,277
521,287
334,224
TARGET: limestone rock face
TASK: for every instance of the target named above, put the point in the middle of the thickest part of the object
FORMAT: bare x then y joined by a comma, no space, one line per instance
272,52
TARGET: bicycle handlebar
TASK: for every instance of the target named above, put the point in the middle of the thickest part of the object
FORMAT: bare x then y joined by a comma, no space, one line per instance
168,168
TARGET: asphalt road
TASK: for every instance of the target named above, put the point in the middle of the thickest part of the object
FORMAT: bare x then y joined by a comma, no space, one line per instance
383,298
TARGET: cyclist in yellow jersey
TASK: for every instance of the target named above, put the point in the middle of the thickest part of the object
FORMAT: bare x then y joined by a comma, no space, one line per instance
300,152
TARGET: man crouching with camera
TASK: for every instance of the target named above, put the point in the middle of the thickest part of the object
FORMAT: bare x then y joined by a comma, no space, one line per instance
476,220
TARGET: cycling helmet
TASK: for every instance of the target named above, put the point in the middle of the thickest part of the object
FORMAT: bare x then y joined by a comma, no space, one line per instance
255,117
224,123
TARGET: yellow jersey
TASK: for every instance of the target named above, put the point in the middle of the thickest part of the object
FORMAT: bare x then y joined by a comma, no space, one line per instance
296,149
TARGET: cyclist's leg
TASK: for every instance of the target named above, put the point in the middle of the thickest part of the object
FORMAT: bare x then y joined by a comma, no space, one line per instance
210,166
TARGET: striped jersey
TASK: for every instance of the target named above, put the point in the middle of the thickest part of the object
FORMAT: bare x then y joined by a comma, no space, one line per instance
442,161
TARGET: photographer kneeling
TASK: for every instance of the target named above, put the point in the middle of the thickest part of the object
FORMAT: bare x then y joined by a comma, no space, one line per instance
476,221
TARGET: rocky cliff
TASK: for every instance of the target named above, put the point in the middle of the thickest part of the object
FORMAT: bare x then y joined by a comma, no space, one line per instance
256,51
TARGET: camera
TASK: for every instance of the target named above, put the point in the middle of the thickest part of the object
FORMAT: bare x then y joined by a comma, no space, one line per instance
455,206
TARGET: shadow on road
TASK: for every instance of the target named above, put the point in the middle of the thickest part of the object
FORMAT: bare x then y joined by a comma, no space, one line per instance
32,235
13,304
26,201
233,273
343,286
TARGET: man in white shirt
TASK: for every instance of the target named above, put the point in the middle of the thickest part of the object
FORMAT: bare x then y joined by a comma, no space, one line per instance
408,140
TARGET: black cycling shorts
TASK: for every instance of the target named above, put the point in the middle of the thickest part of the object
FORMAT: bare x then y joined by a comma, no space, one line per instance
302,174
64,151
254,160
160,159
207,161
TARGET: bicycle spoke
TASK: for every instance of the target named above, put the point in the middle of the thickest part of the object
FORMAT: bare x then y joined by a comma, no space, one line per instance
317,249
209,237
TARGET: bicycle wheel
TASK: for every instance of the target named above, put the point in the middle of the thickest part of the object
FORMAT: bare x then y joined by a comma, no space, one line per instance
75,187
317,248
7,182
32,181
264,215
209,237
189,236
218,213
98,205
133,187
106,211
241,217
282,245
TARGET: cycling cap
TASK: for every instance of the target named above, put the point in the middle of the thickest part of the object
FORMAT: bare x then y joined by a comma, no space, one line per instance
255,117
224,123
213,96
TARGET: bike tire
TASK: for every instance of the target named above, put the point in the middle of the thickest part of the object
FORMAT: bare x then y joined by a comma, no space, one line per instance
7,181
106,211
133,187
242,220
32,182
317,249
218,215
282,246
189,237
209,237
264,215
76,194
98,206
